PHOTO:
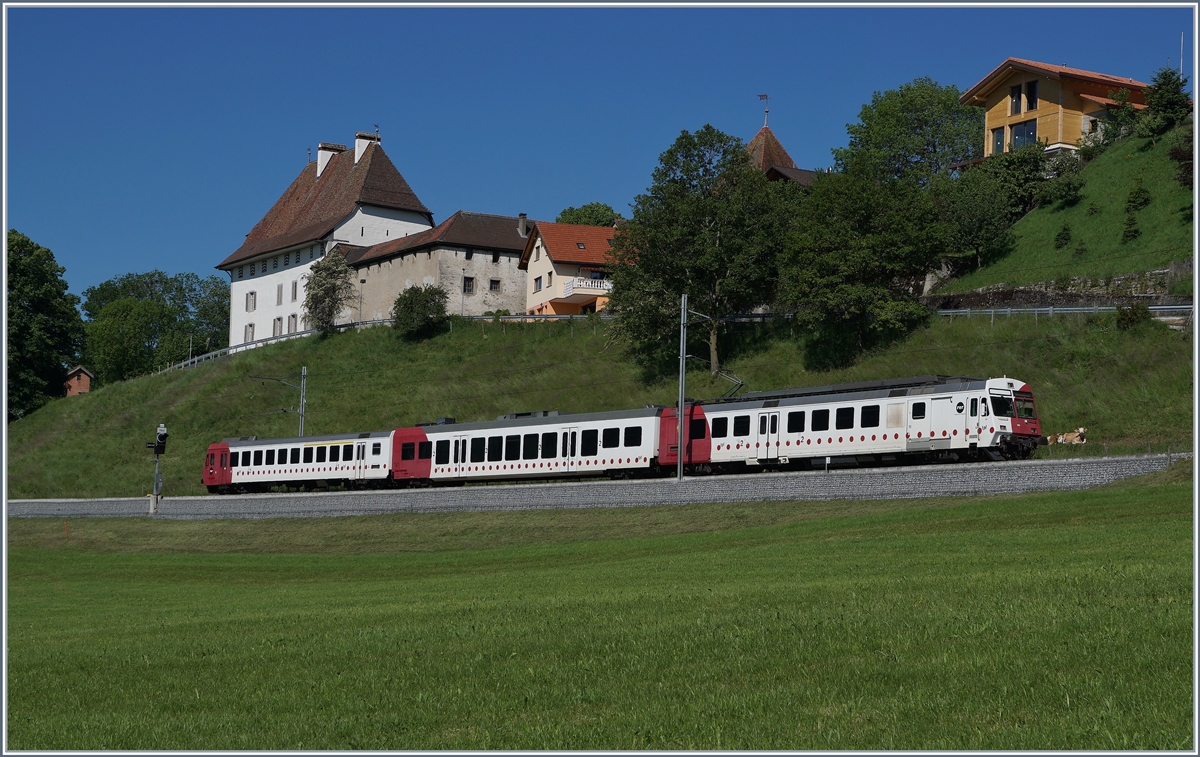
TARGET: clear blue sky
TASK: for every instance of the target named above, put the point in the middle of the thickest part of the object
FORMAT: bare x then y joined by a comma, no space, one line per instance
157,138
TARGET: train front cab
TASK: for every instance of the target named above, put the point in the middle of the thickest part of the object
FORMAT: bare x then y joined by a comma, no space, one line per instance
217,472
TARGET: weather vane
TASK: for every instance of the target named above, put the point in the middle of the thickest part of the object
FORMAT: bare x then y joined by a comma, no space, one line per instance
766,108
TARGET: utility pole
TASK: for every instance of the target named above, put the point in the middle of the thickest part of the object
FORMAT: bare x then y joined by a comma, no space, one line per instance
679,424
360,299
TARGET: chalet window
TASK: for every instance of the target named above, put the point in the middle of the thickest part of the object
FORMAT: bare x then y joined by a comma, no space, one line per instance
537,284
997,141
251,301
1031,95
549,279
494,285
1024,133
468,285
1014,100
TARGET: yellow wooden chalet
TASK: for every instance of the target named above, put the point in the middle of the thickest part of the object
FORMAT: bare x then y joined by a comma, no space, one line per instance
1026,101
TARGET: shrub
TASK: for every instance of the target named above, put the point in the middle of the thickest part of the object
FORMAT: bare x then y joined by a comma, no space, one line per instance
419,311
1063,237
1131,316
1081,248
1092,209
1139,196
1131,231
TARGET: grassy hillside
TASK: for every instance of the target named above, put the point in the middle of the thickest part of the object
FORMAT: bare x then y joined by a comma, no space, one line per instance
1098,220
1129,388
1028,622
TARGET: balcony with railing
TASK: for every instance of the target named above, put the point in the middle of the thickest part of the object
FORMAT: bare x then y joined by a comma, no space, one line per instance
580,288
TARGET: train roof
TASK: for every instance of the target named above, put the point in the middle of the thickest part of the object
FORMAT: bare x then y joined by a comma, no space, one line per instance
901,387
251,441
542,418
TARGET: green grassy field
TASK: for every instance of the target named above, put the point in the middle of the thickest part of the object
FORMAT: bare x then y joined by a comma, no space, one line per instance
1098,220
1057,621
1129,388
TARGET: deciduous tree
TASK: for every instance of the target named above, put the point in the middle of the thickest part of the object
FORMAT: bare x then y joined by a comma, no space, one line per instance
592,214
420,311
125,337
329,287
710,225
45,331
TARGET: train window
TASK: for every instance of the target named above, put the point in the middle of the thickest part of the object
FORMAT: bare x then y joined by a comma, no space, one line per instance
820,420
574,436
258,457
549,444
896,415
376,447
362,451
478,449
1025,406
456,451
424,450
408,450
321,454
335,452
246,459
529,447
844,418
762,424
495,448
741,425
633,436
974,406
720,428
983,406
282,459
588,443
796,422
869,416
697,429
443,452
564,451
211,456
611,438
774,423
270,457
918,411
233,463
224,460
512,447
347,451
1002,406
308,454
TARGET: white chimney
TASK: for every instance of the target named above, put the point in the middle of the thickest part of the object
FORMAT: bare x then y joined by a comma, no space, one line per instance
325,151
361,140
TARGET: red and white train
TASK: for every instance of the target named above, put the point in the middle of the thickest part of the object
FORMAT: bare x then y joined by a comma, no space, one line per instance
921,419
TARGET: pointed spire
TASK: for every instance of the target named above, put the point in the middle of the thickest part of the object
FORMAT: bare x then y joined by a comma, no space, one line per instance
766,151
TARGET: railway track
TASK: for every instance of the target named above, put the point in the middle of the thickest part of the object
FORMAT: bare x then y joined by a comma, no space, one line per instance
868,483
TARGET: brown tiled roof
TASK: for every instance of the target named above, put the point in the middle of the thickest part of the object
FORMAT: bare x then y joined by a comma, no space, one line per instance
1049,69
562,242
766,151
801,176
312,207
477,230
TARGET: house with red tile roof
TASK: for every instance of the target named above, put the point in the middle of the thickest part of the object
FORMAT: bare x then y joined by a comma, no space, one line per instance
347,199
78,381
1025,102
475,257
566,268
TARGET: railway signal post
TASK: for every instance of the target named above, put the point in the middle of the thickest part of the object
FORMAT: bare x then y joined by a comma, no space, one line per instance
159,445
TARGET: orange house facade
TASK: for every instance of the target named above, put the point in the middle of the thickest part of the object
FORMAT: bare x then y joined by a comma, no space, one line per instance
1026,102
566,268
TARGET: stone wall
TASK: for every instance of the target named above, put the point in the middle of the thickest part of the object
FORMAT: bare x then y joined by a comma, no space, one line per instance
873,483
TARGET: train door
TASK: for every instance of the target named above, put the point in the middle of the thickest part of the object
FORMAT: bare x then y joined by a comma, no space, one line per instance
945,421
360,459
919,413
570,447
766,443
459,455
973,420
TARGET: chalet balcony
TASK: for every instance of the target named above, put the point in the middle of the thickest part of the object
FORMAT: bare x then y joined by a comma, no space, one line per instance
580,289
